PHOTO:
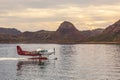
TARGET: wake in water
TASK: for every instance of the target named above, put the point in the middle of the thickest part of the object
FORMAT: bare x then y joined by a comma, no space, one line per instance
7,59
13,59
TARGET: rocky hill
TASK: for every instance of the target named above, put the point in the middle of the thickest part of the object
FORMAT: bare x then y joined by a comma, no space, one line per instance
110,34
67,33
91,33
67,28
10,31
114,28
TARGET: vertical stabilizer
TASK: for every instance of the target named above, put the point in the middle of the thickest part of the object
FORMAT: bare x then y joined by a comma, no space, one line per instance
19,50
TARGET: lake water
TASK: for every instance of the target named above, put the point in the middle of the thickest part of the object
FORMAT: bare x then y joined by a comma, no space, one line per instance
75,62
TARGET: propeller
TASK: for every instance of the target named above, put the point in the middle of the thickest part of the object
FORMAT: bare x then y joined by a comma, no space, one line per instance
54,51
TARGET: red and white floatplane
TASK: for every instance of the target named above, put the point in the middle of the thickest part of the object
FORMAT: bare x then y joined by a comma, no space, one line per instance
38,54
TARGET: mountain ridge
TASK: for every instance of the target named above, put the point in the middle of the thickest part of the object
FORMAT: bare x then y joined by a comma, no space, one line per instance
110,34
66,33
11,31
114,28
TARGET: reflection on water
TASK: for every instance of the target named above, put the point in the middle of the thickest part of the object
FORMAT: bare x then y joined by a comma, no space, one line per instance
75,62
31,62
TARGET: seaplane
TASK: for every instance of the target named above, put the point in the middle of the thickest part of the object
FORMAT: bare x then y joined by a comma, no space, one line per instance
38,54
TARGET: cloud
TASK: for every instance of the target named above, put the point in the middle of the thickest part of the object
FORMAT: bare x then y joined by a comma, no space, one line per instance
42,14
22,4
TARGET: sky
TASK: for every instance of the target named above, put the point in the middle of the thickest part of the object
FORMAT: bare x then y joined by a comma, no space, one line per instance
34,15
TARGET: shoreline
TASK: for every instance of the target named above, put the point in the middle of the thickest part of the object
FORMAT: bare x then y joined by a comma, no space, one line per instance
63,43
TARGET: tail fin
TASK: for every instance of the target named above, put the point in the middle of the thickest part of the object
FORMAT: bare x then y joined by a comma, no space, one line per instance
19,50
